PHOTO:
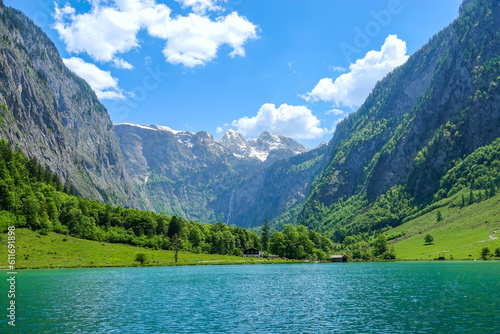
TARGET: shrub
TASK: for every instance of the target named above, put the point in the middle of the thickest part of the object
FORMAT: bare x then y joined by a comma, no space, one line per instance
141,257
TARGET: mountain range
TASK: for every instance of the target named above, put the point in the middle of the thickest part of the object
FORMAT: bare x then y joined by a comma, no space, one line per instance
195,176
399,154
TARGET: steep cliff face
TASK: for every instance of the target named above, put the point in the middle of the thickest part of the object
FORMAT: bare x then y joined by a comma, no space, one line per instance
194,176
426,115
271,191
52,115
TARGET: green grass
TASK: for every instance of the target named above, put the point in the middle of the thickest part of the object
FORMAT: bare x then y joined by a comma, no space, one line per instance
60,251
462,232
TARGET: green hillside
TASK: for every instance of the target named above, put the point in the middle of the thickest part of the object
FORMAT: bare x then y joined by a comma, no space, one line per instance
462,234
391,159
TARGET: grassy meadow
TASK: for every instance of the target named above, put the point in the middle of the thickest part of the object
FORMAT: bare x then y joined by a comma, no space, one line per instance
462,233
60,251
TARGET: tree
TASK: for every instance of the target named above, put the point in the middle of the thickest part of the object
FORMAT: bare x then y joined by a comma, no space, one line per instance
497,252
380,245
429,239
485,252
278,244
141,257
30,206
264,237
439,216
229,242
174,234
195,238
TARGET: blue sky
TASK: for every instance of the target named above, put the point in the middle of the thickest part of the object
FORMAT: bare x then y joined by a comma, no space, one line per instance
290,67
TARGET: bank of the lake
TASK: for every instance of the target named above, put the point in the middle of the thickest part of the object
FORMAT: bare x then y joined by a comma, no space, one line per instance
396,297
35,251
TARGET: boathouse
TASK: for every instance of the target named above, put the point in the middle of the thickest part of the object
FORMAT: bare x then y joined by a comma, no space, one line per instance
338,258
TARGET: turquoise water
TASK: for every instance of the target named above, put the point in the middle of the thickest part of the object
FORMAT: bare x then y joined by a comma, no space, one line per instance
416,297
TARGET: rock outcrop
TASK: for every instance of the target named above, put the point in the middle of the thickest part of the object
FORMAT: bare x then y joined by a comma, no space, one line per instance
52,115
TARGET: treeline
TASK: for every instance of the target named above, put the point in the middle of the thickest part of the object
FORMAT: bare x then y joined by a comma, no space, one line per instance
32,197
300,243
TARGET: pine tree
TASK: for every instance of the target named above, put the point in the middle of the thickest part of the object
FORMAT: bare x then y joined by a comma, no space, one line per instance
264,237
174,233
439,216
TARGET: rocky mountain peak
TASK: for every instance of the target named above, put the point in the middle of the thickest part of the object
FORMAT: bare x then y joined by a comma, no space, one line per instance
235,142
261,147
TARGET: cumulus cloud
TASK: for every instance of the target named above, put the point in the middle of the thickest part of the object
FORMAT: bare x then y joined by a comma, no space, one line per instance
352,88
194,40
291,121
219,130
200,6
335,111
111,28
104,85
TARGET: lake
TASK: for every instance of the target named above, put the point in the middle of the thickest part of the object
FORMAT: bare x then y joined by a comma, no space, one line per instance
397,297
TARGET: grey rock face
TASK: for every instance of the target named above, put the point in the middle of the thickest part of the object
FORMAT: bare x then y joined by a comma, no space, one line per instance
52,115
193,175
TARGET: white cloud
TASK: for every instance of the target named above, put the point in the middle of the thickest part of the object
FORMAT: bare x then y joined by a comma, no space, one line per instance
200,6
148,60
104,85
219,130
291,121
120,63
337,68
111,28
352,88
194,40
335,112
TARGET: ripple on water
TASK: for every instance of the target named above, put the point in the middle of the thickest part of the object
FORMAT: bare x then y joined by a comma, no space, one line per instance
310,298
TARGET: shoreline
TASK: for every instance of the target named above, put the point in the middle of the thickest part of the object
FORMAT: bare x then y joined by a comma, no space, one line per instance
56,251
221,263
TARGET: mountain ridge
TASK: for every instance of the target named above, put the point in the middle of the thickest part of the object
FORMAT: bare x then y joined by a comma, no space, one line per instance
418,121
50,113
190,174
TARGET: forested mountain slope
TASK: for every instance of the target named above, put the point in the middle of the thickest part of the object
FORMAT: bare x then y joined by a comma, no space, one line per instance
418,123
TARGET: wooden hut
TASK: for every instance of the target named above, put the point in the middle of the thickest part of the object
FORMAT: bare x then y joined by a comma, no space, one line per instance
338,258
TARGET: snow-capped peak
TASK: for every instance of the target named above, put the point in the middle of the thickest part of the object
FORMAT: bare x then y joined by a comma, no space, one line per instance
261,147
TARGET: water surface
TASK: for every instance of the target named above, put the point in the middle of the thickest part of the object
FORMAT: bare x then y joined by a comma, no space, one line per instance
417,297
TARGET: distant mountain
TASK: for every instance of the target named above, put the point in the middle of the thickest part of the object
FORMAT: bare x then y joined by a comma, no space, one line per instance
272,191
193,175
266,147
388,159
53,115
